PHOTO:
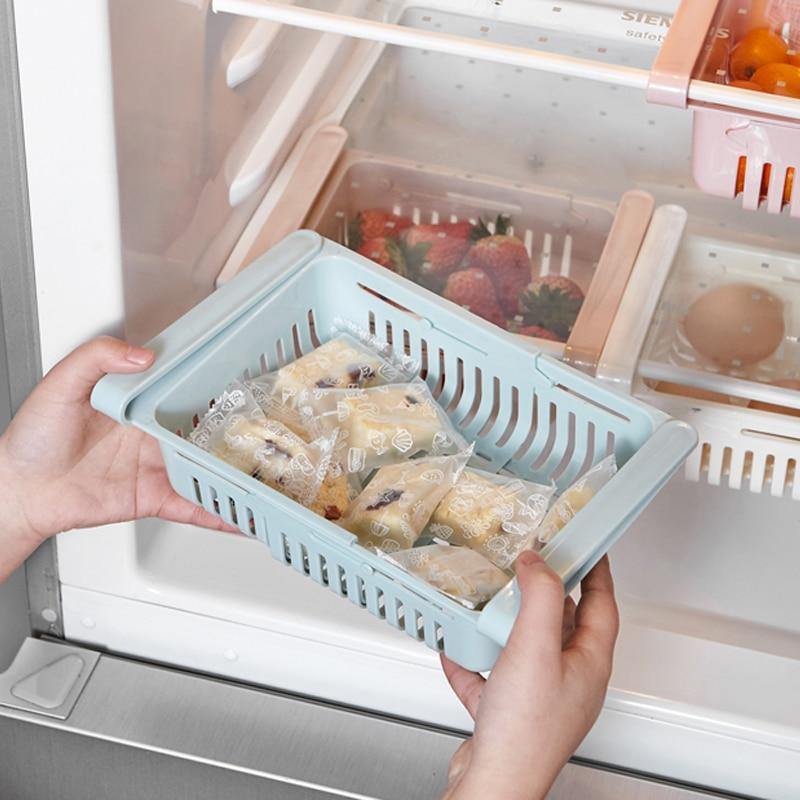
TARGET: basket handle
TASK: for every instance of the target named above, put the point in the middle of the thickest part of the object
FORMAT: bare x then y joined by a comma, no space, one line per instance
114,393
671,73
619,255
588,536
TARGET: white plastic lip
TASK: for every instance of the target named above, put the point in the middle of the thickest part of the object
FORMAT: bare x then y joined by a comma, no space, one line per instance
703,92
390,33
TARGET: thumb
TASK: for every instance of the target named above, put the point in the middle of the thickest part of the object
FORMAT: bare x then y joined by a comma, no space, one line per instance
74,377
537,632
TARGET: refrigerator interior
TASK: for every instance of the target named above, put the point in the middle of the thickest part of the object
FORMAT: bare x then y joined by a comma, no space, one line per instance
208,109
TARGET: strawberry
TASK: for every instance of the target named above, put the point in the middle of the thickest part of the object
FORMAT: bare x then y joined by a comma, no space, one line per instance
504,258
472,289
534,331
434,251
386,252
375,224
552,302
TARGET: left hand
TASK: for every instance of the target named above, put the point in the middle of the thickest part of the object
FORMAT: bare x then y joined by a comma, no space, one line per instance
64,465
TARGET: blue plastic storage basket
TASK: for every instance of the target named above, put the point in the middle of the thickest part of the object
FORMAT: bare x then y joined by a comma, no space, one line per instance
525,411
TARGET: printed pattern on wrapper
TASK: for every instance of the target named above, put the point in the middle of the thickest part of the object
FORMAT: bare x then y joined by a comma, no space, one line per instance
238,431
460,573
394,508
496,515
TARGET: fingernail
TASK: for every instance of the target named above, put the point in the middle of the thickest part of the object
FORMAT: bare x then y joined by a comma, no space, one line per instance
529,558
139,355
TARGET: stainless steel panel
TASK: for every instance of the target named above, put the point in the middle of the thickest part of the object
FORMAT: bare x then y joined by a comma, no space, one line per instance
143,731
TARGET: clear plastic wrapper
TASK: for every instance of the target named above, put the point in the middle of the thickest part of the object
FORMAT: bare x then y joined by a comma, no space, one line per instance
384,424
394,508
342,362
460,573
573,499
237,431
496,515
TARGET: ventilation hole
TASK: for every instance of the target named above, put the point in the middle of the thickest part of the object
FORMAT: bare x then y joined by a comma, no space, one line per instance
234,514
611,441
459,390
312,329
569,450
512,422
197,493
705,457
287,552
323,569
247,375
279,353
381,604
264,363
766,174
551,437
342,581
400,613
489,424
406,342
439,638
741,173
215,501
747,466
769,470
389,338
298,350
305,559
419,624
437,390
195,421
371,323
362,592
788,186
791,468
251,523
423,370
526,445
727,457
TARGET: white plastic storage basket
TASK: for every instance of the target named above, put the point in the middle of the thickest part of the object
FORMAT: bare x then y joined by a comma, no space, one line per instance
525,412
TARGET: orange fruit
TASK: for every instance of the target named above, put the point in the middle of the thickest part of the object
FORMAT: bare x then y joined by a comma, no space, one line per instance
781,79
752,85
794,57
759,48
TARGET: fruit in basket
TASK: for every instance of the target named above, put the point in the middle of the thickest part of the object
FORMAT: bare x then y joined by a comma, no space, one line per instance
385,251
535,331
552,302
780,79
759,48
754,87
432,252
786,383
735,325
374,223
504,258
473,289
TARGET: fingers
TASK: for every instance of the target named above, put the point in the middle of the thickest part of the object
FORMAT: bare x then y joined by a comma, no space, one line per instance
597,617
537,631
74,377
176,509
568,624
466,685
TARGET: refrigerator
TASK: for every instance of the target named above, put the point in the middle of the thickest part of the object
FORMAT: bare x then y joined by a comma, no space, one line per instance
154,149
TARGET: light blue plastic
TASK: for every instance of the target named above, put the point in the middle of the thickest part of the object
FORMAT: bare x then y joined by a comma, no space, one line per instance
526,412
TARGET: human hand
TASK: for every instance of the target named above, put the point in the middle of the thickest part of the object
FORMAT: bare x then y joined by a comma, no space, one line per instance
64,465
545,692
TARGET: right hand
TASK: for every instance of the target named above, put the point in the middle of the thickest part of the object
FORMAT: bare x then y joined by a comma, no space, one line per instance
545,692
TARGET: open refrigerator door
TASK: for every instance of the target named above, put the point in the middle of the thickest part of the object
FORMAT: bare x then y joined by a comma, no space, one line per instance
269,116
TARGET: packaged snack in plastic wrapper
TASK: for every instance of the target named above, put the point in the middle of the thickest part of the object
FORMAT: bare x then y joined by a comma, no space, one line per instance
396,505
573,499
384,424
237,431
462,574
342,362
496,515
